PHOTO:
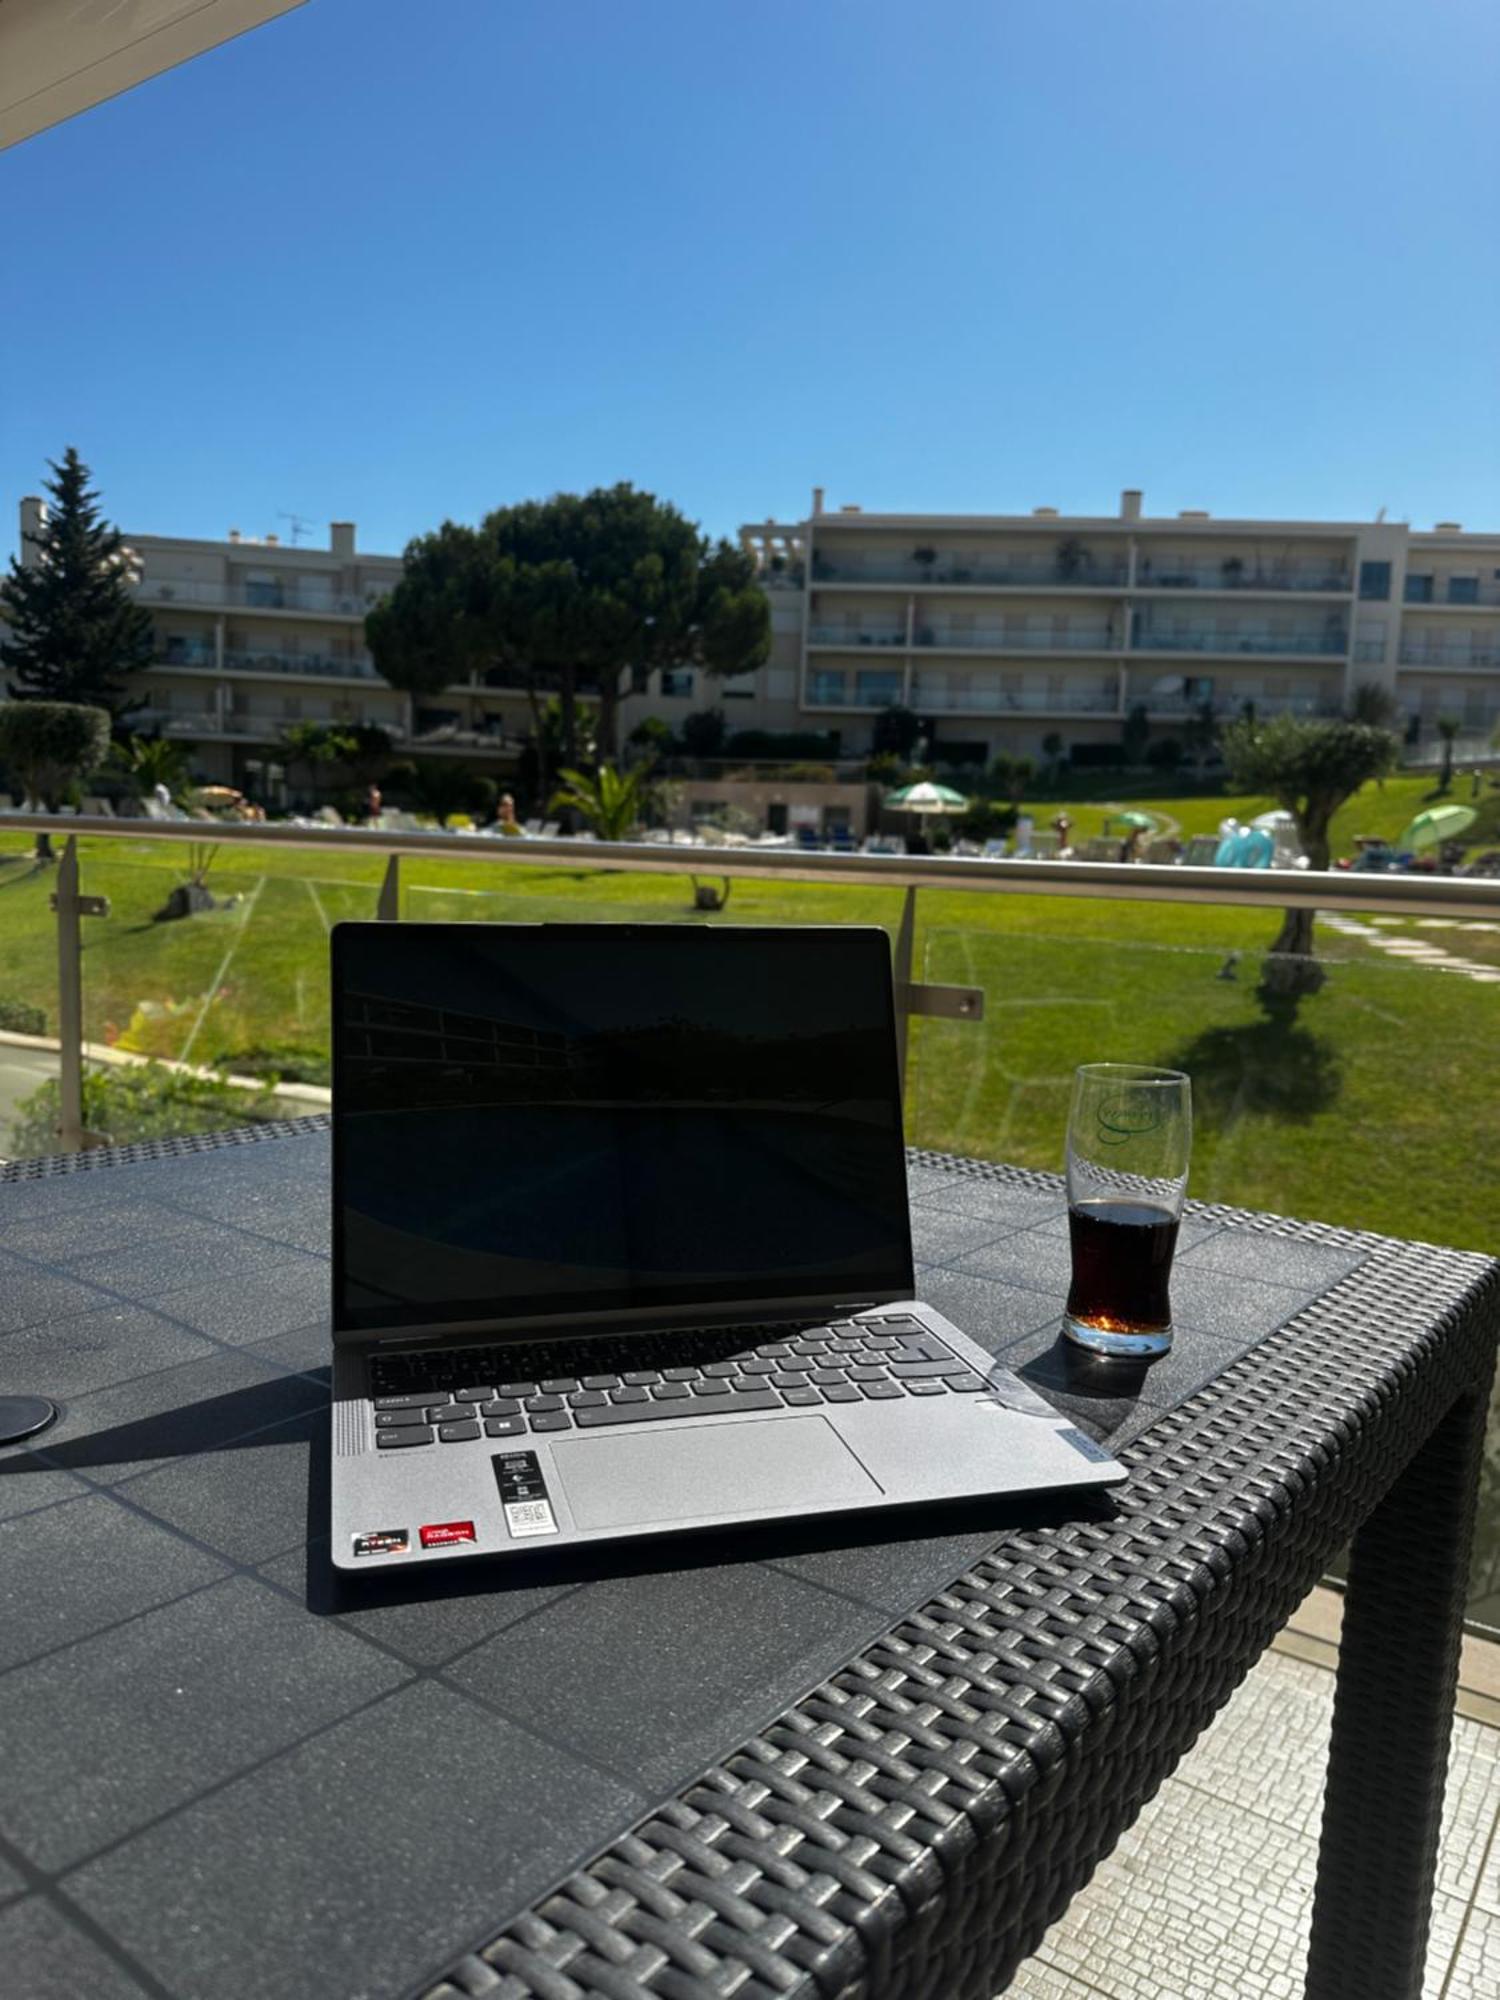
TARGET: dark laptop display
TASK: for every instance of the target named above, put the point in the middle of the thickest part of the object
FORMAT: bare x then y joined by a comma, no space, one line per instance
586,1119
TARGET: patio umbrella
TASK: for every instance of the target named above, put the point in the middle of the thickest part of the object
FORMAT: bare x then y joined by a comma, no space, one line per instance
1441,823
1141,820
1271,820
927,797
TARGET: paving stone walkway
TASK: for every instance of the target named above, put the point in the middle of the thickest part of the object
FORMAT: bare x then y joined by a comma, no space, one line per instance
1208,1896
1413,948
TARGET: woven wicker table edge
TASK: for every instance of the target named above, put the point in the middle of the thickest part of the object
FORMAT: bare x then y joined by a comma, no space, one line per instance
868,1840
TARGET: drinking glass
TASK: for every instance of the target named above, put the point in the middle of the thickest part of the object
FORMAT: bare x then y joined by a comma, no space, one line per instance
1130,1131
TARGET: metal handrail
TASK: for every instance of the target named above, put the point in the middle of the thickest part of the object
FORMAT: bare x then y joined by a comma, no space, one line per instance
1280,889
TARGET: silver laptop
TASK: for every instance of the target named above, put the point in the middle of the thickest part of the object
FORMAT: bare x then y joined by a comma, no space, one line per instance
621,1247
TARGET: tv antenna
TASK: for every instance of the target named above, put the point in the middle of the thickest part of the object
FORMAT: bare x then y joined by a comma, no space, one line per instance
1379,515
300,524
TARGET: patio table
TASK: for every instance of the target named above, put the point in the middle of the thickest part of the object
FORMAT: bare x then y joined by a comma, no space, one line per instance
845,1759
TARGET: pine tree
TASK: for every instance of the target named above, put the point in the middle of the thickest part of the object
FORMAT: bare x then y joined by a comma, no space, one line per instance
75,630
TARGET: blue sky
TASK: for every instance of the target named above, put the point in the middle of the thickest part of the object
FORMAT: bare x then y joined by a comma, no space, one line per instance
392,260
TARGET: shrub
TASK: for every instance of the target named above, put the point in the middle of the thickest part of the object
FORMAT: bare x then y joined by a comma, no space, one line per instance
19,1017
278,1062
51,745
126,1105
1097,756
704,733
1165,754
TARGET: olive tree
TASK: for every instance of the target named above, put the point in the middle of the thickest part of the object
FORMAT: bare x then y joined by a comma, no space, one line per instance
1310,768
50,747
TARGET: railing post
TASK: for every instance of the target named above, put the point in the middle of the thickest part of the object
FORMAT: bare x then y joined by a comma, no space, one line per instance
906,937
69,1001
388,903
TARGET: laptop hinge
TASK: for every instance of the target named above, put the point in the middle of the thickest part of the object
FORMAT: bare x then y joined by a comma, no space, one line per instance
618,1326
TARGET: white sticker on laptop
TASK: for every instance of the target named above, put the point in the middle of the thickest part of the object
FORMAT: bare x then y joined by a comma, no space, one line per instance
523,1495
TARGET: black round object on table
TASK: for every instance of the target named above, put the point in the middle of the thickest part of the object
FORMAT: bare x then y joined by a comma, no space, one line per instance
23,1416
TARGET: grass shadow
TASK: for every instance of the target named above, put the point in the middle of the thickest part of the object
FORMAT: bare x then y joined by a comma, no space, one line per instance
1270,1066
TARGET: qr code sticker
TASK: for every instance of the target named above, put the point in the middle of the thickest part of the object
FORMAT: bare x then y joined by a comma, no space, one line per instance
531,1517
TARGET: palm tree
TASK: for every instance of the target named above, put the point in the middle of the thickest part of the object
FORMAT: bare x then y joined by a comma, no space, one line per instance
611,803
157,760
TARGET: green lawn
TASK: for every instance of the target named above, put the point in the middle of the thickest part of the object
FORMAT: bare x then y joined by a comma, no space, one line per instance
1370,1108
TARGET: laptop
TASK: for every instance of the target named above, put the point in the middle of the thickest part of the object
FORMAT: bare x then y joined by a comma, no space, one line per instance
621,1247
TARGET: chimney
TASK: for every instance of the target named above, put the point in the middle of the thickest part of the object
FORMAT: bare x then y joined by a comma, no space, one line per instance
1130,503
234,534
341,540
851,507
33,518
1045,513
1447,527
273,541
817,499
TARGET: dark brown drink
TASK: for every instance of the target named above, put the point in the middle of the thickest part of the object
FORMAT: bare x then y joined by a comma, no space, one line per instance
1122,1262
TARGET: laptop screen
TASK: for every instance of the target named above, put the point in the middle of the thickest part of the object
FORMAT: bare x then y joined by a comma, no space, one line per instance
541,1119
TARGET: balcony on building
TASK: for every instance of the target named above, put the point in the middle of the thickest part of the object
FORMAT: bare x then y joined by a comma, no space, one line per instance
1428,647
1167,697
1233,564
1452,589
1288,636
1019,563
199,656
318,600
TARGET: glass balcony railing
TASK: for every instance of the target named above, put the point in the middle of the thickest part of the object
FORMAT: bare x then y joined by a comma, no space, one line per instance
973,638
202,659
288,596
1001,700
1167,704
1226,639
1451,592
1424,652
841,635
1352,1110
1097,574
1100,573
330,665
1233,574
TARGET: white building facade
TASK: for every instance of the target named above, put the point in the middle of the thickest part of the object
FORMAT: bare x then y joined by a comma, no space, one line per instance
1001,631
998,631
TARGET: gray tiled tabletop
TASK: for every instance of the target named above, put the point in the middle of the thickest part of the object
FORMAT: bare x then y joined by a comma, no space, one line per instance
223,1770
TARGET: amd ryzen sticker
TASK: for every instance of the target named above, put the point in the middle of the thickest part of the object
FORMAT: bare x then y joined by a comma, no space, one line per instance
383,1542
523,1495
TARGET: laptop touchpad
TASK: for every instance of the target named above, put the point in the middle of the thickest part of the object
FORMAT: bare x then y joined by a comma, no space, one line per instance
710,1472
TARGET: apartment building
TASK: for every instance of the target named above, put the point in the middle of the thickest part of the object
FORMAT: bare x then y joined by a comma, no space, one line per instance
253,635
1000,631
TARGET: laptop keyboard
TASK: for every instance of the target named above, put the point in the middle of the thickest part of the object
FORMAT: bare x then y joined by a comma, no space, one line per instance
459,1395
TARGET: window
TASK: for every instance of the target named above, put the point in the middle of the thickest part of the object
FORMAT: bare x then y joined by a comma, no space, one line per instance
640,680
677,681
1463,590
875,690
738,687
824,689
1375,580
1418,589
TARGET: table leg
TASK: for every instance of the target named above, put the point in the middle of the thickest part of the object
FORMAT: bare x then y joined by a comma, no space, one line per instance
1392,1718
